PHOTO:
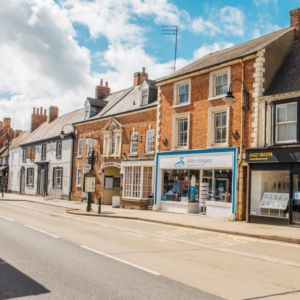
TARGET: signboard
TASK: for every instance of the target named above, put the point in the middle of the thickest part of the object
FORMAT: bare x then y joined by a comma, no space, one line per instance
109,164
30,153
91,142
91,161
89,183
274,201
193,161
108,182
273,155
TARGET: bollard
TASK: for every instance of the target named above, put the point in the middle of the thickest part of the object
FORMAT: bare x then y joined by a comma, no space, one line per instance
99,205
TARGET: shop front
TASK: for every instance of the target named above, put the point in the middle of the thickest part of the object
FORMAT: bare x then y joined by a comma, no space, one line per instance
274,186
199,181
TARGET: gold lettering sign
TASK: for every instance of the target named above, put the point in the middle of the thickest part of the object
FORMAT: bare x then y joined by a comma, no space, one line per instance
260,155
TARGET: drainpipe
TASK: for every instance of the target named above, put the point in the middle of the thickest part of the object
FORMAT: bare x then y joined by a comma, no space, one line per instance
71,162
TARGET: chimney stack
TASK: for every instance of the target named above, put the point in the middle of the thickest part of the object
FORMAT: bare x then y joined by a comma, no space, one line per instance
37,119
53,113
295,22
139,77
17,133
102,92
6,123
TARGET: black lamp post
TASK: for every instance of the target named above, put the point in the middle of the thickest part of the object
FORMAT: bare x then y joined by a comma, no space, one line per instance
229,98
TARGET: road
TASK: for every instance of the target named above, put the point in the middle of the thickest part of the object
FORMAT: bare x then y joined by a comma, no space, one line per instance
46,254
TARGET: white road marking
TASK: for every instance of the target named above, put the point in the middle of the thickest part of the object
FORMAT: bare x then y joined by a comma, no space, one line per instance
121,260
136,234
42,231
7,218
164,241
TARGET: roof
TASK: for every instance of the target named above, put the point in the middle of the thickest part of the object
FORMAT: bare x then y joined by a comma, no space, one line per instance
4,151
229,54
19,139
151,83
53,129
287,78
96,102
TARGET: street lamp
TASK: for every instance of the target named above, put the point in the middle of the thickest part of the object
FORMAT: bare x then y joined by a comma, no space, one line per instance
62,133
229,98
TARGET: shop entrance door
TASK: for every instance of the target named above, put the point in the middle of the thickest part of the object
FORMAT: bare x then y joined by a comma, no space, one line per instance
42,182
295,200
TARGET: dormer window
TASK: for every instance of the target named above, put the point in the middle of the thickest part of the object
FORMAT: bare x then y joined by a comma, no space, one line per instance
144,97
87,112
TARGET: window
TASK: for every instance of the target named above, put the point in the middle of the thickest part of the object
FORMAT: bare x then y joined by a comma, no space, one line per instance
286,123
221,84
0,161
182,91
57,177
58,149
150,134
30,175
87,114
220,127
43,152
78,177
80,142
128,182
18,179
134,142
147,182
116,182
180,138
89,149
24,155
132,182
113,143
144,97
218,83
12,158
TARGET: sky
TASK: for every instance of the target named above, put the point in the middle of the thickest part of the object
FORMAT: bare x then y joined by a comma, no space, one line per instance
54,52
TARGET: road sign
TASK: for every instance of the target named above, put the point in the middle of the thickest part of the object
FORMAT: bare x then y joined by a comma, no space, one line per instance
89,183
91,160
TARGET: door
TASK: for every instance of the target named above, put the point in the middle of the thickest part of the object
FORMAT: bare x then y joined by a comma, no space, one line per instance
42,182
295,200
23,182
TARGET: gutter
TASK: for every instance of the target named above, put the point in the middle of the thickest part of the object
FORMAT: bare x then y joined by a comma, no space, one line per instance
44,140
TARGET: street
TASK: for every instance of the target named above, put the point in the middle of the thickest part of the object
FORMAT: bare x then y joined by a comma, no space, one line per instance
47,254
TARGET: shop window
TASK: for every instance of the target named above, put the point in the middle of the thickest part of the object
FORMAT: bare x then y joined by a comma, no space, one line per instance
78,177
80,143
218,83
270,193
58,149
116,182
57,177
150,134
134,142
181,131
30,176
182,92
286,123
43,154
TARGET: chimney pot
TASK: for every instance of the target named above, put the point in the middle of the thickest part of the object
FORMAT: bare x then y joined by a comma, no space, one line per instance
144,70
38,111
34,110
138,77
106,83
45,112
101,82
295,22
41,110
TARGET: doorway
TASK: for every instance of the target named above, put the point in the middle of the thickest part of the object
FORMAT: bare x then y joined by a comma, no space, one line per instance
295,200
23,182
42,182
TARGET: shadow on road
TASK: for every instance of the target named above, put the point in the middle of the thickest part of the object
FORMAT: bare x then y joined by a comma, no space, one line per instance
14,284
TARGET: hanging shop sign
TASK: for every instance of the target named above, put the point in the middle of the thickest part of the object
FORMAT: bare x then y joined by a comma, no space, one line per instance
109,164
273,155
192,161
89,183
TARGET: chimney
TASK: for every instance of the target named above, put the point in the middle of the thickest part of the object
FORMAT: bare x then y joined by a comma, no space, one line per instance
1,124
295,22
53,113
102,92
6,123
139,77
17,133
37,119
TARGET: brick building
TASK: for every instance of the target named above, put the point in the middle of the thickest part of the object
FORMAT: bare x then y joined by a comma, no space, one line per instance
202,135
274,162
122,127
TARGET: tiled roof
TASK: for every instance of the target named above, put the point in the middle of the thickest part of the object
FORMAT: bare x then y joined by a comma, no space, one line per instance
229,54
287,78
96,102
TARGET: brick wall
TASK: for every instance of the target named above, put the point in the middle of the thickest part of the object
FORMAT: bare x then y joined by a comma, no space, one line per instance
140,120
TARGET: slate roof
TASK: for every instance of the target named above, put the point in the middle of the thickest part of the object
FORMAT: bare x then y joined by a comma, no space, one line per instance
19,140
287,78
96,102
229,54
53,129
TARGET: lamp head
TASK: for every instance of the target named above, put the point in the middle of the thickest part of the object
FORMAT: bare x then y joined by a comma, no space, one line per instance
62,134
229,98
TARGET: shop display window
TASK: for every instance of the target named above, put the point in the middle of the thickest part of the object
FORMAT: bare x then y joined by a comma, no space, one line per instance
270,193
181,185
216,185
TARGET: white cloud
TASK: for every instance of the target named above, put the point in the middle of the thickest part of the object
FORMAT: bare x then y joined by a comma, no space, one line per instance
206,27
259,2
206,49
233,20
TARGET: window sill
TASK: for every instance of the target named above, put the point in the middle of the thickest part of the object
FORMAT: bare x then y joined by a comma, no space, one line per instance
133,154
78,185
57,187
79,156
149,153
181,105
180,149
217,146
216,97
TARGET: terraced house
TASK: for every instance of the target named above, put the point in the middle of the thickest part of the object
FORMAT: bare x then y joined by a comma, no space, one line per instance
203,131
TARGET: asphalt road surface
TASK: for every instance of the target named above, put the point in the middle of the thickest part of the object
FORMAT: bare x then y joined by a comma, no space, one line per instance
46,254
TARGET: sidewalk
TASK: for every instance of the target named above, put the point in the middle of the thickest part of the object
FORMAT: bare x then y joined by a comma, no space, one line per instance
269,232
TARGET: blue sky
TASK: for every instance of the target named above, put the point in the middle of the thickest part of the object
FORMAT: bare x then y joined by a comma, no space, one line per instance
54,52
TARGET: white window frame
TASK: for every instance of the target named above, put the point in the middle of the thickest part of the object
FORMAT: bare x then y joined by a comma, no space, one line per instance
145,96
210,134
80,146
113,142
18,179
78,171
276,124
58,155
147,137
132,141
116,180
61,178
44,146
174,131
30,177
24,154
212,76
12,159
88,149
177,86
